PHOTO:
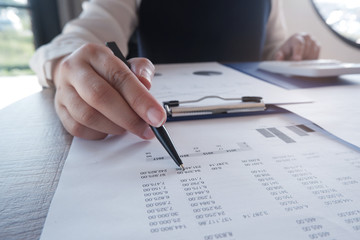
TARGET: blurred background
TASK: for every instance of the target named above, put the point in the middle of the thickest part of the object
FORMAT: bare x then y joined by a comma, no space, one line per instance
335,23
16,37
342,17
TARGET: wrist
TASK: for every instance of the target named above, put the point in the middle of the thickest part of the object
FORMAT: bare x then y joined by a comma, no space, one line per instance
55,71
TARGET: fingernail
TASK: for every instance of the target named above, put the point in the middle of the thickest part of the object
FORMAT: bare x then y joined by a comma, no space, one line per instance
297,57
148,133
146,74
155,117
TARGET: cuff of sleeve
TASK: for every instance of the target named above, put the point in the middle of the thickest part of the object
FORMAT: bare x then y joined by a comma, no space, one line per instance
48,73
44,58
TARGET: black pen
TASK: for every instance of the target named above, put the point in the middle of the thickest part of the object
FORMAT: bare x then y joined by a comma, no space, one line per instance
161,133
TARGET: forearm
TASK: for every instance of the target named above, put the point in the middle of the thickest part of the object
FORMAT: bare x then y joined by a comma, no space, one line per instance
276,32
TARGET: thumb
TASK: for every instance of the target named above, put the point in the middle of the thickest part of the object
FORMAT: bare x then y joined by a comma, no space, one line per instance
279,56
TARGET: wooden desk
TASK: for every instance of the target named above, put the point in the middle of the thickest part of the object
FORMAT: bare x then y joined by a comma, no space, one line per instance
33,148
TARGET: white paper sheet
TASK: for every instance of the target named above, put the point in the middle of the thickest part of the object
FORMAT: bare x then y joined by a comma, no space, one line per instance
337,109
178,82
252,177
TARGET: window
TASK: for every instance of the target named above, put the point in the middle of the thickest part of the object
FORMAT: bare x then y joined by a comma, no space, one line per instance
343,18
16,37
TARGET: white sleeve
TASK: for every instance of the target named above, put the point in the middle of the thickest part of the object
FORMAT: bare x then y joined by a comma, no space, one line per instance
99,22
275,30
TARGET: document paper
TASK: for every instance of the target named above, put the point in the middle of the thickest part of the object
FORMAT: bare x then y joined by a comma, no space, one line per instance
196,80
337,109
274,176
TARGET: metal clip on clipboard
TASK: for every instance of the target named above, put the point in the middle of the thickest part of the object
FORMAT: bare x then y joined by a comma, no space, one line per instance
226,105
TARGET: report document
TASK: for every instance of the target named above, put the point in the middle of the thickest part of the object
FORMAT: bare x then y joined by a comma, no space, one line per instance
273,176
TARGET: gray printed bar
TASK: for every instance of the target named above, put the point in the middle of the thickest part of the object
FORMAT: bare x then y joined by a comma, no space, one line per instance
297,131
281,135
305,128
265,132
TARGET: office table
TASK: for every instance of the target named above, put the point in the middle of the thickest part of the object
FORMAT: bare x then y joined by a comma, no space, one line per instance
33,148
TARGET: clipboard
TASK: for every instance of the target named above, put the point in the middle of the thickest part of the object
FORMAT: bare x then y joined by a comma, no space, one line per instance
214,106
233,107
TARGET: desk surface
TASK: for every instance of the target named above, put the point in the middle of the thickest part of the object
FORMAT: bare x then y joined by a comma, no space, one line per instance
33,149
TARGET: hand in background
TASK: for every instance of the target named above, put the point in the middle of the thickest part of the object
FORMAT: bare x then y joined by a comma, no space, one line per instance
300,46
97,94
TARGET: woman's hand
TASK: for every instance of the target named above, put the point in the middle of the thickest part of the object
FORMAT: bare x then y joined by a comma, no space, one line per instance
300,46
97,94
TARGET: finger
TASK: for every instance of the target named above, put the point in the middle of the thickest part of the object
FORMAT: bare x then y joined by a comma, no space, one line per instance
310,52
101,92
298,47
143,69
308,47
315,50
279,56
133,92
284,52
84,114
75,128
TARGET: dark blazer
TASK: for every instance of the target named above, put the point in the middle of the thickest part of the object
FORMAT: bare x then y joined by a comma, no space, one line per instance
172,31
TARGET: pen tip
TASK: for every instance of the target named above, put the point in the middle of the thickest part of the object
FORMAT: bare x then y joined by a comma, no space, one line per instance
182,167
